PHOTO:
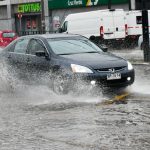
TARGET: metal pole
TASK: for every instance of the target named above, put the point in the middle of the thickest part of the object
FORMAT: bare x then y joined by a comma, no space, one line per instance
42,16
109,4
93,2
145,29
20,22
129,4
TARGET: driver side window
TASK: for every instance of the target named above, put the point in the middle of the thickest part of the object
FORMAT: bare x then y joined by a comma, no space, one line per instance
36,45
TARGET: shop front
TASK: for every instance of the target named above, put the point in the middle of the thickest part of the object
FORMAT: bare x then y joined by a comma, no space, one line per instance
28,18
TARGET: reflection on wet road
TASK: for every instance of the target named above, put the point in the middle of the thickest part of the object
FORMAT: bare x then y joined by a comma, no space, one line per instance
33,118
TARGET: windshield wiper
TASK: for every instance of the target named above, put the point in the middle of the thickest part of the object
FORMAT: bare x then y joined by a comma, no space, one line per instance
78,53
68,53
92,52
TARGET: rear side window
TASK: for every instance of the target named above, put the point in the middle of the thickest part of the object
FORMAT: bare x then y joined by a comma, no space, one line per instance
9,35
36,45
21,46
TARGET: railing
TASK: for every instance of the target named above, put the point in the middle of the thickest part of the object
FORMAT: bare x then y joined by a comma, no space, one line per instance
22,33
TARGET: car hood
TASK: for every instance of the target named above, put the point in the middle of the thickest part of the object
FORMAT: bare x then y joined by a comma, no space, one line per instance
96,60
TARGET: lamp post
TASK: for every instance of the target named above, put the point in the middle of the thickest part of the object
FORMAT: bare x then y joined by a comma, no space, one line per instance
42,16
129,4
93,2
109,4
145,30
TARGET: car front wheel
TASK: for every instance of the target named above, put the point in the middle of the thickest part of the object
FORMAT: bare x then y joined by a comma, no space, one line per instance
60,85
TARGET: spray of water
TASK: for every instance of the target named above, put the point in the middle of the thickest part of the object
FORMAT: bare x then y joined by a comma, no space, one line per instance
142,78
42,94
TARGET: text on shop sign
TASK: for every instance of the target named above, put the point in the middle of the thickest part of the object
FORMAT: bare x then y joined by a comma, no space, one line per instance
28,8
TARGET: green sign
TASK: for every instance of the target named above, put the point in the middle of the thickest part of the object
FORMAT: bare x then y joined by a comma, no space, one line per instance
29,8
58,4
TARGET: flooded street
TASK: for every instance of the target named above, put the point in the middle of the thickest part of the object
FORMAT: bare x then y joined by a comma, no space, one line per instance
34,118
74,74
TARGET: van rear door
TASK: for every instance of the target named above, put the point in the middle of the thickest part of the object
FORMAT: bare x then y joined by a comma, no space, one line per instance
114,24
120,24
107,25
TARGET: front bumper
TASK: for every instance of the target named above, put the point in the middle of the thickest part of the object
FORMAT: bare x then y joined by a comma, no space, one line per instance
100,79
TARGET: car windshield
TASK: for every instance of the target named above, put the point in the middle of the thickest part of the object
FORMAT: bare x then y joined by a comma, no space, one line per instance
72,46
9,34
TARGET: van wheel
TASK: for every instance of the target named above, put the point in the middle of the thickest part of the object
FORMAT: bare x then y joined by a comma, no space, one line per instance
60,86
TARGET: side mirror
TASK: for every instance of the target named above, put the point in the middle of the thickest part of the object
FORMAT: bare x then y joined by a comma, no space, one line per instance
103,47
40,54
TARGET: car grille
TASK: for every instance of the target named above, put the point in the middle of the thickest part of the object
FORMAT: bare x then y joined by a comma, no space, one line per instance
108,69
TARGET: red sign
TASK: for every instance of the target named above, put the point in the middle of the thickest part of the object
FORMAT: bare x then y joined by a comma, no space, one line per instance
19,15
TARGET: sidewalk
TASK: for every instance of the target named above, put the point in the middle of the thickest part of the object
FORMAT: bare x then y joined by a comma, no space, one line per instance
135,56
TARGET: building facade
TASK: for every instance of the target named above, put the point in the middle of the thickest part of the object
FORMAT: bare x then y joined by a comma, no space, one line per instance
27,15
139,5
21,15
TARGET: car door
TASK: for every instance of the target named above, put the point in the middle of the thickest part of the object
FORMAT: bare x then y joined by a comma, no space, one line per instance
17,57
39,66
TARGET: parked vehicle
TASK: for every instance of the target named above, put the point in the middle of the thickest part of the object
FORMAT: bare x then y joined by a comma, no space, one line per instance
107,25
134,22
6,37
66,60
140,40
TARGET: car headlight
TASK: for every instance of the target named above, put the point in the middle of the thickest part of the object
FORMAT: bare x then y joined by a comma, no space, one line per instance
80,69
130,67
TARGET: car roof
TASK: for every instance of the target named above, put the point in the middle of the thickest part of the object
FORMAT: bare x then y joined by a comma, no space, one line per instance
53,35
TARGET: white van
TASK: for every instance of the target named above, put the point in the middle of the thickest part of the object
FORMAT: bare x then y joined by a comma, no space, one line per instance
140,40
134,21
106,24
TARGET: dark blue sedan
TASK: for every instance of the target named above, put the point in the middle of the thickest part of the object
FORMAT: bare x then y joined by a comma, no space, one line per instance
66,61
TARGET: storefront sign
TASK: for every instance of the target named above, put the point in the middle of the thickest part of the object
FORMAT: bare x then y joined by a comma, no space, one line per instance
28,8
74,2
58,4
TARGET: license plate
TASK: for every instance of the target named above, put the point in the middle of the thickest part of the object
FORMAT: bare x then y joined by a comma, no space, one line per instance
113,76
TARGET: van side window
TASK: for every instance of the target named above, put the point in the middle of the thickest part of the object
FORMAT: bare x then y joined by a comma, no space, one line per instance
139,19
64,27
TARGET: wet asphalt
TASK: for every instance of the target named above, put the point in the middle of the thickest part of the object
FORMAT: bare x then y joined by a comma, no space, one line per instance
35,118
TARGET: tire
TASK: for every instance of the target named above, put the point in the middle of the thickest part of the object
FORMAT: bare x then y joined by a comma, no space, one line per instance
60,85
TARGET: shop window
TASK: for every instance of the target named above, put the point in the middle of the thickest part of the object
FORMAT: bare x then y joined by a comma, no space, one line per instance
34,25
28,23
